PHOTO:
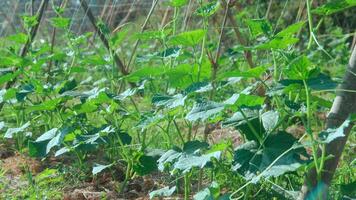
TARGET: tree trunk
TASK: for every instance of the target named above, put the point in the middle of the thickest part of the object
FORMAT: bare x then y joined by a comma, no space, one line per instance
344,105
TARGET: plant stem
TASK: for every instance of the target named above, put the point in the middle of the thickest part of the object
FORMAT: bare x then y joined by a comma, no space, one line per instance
178,131
186,186
255,133
308,127
310,22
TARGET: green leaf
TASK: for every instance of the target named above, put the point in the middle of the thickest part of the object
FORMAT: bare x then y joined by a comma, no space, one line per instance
11,131
190,157
163,192
29,21
334,6
277,43
279,154
37,149
26,89
178,3
86,107
153,35
294,28
169,53
245,100
118,38
99,168
348,189
148,120
246,130
8,77
145,165
250,73
10,61
67,85
194,146
180,76
48,105
20,38
332,134
60,22
258,27
208,9
145,72
299,69
204,111
320,82
189,38
168,101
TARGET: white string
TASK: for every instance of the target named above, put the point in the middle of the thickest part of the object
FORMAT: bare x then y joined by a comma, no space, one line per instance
73,16
84,18
3,28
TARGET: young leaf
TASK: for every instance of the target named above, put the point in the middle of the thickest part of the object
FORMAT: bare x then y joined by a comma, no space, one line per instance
60,22
8,77
118,38
20,38
189,38
277,43
334,6
299,68
258,27
178,3
294,28
245,100
145,72
208,9
48,105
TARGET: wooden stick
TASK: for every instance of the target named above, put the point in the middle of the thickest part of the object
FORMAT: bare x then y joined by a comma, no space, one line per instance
25,48
343,106
93,21
242,41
